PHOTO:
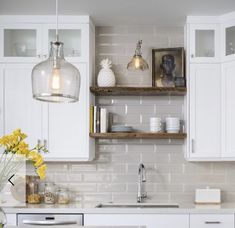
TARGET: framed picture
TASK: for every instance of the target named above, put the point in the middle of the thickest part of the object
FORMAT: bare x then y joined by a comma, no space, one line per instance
168,67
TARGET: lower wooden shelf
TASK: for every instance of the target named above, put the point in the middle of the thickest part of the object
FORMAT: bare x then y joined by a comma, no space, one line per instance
138,135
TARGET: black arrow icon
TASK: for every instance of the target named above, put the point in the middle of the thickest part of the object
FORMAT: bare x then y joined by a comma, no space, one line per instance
10,179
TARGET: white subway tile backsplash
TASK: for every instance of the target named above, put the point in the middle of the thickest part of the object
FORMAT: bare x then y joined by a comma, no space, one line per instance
111,168
98,197
112,148
149,187
140,148
112,176
124,178
111,187
124,197
82,167
143,109
123,157
83,188
155,157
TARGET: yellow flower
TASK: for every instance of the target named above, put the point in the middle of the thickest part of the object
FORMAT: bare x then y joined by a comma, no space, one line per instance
34,156
19,134
41,171
14,144
38,162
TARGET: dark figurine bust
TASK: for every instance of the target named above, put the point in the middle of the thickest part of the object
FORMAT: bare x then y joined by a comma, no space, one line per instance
167,66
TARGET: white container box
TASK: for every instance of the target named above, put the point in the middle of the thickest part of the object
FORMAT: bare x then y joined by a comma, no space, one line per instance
208,196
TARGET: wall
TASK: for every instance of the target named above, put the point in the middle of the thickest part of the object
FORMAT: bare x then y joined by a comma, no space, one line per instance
113,175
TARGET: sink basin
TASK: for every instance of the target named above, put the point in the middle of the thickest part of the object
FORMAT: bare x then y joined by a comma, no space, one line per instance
137,205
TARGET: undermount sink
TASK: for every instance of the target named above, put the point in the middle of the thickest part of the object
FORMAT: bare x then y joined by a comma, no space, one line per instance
137,205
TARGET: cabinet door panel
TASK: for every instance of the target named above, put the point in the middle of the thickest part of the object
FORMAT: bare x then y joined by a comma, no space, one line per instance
229,109
20,42
147,220
20,109
68,126
11,219
205,111
212,220
204,43
75,38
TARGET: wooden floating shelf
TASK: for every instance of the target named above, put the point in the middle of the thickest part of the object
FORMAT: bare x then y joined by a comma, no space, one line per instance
138,91
138,135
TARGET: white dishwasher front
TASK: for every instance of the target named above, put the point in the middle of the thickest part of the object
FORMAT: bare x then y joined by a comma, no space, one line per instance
49,219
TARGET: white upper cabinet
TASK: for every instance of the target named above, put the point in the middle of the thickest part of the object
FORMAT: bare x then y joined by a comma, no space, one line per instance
20,42
27,41
62,128
210,101
228,70
75,38
205,111
228,39
20,110
68,127
204,43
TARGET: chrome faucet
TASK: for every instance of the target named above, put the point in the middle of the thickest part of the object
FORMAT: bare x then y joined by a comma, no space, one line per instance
141,195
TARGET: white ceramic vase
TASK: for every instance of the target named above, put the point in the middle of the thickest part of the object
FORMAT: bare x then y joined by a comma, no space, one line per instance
106,77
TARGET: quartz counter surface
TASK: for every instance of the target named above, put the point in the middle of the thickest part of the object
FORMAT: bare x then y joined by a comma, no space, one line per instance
78,208
77,226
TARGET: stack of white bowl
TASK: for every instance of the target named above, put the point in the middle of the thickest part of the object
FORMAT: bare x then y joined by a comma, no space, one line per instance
172,125
155,124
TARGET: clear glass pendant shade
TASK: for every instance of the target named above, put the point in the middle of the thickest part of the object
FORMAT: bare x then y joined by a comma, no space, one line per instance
56,80
137,62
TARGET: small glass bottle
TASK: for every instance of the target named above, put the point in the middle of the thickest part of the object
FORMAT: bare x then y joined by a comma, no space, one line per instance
32,190
50,193
63,196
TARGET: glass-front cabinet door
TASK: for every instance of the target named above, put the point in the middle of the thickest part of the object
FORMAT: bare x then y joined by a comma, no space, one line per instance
74,37
204,43
20,42
228,41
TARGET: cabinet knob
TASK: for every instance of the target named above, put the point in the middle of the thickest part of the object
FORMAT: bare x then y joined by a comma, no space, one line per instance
39,56
192,55
44,56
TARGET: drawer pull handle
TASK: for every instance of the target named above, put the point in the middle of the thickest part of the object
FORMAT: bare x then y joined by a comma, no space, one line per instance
212,222
48,223
193,145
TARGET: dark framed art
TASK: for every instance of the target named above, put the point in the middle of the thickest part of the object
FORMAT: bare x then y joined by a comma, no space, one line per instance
168,67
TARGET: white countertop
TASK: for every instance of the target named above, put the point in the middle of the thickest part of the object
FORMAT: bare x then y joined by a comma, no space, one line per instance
78,208
77,226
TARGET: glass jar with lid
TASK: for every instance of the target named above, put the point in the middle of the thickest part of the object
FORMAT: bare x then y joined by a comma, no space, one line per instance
50,193
32,190
63,196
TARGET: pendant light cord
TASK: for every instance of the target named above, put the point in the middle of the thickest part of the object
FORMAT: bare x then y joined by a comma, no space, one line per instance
56,6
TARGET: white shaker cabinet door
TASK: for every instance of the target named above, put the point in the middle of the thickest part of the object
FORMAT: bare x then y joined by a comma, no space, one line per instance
146,220
228,109
20,109
68,126
205,111
11,219
212,220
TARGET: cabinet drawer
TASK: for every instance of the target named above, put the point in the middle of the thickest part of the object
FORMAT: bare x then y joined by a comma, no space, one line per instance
212,221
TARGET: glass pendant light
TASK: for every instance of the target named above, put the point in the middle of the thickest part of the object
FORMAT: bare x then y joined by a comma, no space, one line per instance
56,80
137,62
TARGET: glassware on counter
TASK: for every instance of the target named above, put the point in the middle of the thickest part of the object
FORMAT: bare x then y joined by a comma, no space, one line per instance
50,193
32,190
42,191
63,196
